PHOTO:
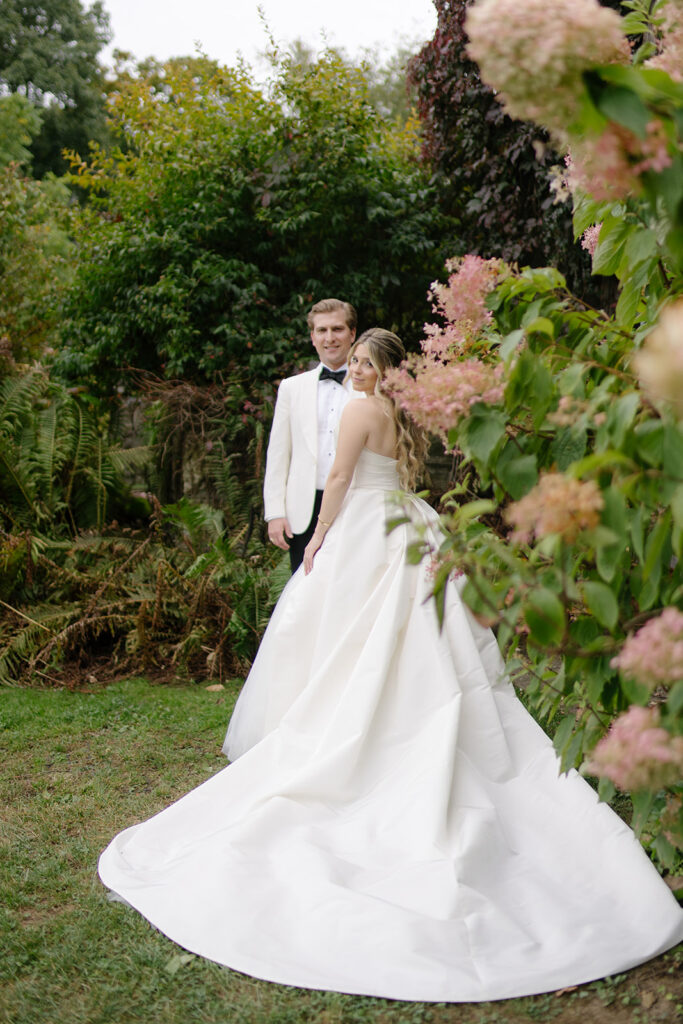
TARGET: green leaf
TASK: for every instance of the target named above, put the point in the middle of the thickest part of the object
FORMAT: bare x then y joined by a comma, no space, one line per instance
599,460
614,514
594,687
517,475
655,545
473,509
634,281
611,243
481,433
674,700
638,532
179,960
666,853
545,617
509,343
672,451
620,416
563,733
606,789
602,602
677,515
587,213
650,441
648,593
643,802
571,381
618,103
636,693
541,325
614,517
569,445
607,560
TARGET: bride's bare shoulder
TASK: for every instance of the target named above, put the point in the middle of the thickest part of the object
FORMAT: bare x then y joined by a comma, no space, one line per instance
362,410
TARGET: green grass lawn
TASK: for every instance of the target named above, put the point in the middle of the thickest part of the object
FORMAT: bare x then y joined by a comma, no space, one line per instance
77,768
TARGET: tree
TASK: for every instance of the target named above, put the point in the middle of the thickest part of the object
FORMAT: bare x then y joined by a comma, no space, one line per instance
494,171
48,53
20,122
228,211
35,261
389,90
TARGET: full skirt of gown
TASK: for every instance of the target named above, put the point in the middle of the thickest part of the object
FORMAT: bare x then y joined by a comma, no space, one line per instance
393,822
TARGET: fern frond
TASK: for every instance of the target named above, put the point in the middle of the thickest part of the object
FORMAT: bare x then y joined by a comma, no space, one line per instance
123,459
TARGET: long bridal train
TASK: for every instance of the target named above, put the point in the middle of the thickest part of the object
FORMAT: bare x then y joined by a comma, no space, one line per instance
394,822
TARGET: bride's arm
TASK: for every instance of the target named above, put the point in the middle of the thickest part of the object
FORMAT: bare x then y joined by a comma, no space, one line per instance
354,428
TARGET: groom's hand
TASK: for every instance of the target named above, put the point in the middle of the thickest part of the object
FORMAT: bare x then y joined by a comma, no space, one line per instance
278,529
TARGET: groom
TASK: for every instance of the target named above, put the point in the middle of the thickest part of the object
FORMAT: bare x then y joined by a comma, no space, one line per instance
303,436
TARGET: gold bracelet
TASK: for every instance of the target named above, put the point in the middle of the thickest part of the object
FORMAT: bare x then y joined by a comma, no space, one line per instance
323,523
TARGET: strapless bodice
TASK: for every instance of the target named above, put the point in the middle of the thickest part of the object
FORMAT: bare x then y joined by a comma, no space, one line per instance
376,471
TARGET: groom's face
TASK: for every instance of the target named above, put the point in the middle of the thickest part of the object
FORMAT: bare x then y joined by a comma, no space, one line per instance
332,338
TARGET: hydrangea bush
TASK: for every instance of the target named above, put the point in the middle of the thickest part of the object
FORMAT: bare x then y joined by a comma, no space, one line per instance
570,526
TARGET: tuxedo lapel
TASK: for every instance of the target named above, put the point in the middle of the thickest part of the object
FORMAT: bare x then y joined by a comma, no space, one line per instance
308,411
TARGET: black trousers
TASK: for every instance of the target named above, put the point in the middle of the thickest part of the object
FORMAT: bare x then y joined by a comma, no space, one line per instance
297,545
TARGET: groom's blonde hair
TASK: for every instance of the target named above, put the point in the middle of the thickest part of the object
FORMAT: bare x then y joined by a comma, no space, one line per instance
332,306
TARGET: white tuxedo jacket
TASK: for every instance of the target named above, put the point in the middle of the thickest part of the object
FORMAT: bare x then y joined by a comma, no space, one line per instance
291,461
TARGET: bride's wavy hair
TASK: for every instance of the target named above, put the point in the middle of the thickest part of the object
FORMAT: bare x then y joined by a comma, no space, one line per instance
385,350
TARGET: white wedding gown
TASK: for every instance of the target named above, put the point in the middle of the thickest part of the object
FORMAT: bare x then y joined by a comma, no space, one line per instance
394,822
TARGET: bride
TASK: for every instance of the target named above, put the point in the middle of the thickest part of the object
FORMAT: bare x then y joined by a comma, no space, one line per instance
393,822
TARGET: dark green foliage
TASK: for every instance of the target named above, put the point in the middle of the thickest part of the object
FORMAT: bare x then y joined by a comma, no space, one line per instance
58,471
20,122
35,262
191,593
48,53
232,211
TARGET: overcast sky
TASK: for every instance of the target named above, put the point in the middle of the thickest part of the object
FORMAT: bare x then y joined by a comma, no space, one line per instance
224,28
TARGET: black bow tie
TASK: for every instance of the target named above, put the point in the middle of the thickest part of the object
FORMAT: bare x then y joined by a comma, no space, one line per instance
337,375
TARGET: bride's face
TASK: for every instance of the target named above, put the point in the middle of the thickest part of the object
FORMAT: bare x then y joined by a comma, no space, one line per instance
363,373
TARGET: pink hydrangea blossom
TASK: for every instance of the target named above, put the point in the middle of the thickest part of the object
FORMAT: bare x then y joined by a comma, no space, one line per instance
659,363
654,655
461,302
569,410
558,504
439,388
610,167
438,395
534,53
670,55
637,753
589,238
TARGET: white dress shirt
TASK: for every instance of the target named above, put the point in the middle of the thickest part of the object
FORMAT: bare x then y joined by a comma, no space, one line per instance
332,398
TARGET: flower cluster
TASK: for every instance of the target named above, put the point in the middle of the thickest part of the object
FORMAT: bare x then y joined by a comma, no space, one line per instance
437,395
659,363
569,411
558,504
534,53
670,56
637,753
609,167
654,655
589,239
462,300
461,303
